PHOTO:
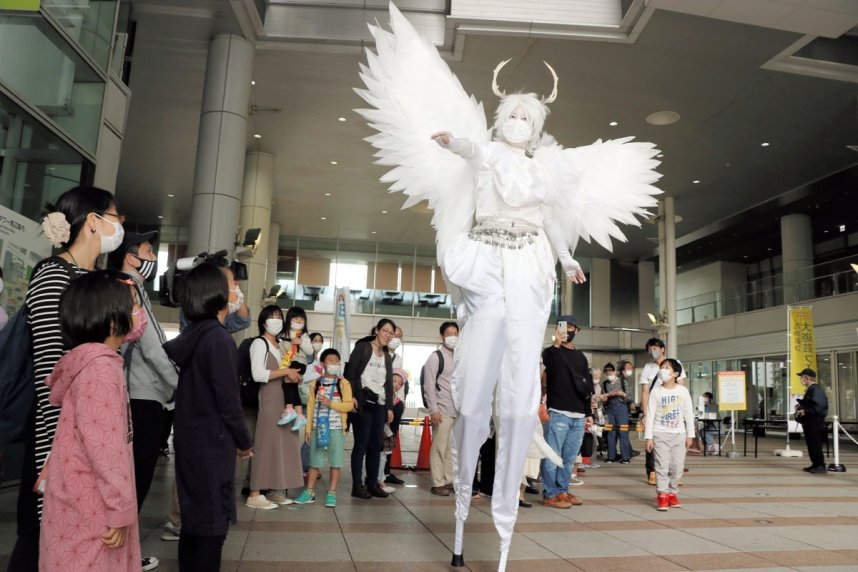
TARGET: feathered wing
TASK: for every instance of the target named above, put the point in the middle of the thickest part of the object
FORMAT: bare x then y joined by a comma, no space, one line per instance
601,186
413,94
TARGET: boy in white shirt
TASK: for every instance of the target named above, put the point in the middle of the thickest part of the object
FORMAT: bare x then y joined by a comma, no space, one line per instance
669,431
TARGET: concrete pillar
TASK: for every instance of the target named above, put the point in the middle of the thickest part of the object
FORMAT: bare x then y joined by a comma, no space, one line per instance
600,292
256,213
646,292
669,303
221,145
797,255
273,251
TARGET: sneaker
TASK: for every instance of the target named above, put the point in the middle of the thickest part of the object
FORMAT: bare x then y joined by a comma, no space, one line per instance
392,479
673,501
171,531
808,468
331,500
592,465
571,499
306,497
149,563
556,502
299,423
287,418
625,462
609,461
662,502
819,470
376,491
387,489
651,478
524,504
575,482
279,497
360,492
440,491
260,502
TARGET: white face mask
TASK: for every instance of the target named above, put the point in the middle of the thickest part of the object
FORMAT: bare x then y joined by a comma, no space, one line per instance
612,377
333,370
451,341
665,374
516,131
629,373
273,326
296,327
317,347
655,354
112,242
394,344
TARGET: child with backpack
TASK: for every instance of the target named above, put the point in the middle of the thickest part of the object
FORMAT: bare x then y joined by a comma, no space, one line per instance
669,432
329,401
90,503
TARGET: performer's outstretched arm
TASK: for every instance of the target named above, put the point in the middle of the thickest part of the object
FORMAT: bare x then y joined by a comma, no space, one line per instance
570,266
462,147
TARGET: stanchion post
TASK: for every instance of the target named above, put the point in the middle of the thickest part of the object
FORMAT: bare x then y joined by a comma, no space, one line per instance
836,467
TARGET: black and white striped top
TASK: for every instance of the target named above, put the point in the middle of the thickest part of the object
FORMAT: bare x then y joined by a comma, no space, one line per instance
43,303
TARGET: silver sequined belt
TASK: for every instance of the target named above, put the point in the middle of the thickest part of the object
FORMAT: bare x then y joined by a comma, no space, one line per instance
505,234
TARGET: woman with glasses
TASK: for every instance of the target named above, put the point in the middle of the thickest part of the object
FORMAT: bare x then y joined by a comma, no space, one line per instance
83,223
370,372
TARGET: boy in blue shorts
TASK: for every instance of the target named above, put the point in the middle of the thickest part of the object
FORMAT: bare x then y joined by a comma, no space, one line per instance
329,401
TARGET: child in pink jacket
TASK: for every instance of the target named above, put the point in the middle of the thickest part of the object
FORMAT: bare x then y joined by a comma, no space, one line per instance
89,521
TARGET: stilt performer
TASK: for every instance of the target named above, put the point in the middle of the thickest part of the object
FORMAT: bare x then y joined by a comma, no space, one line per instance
507,208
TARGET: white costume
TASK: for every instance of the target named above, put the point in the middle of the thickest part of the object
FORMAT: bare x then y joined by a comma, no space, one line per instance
531,201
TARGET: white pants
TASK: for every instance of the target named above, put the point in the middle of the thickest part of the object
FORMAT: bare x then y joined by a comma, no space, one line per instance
506,299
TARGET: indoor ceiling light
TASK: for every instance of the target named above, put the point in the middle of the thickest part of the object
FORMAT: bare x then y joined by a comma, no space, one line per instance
327,194
159,216
334,163
662,118
842,228
324,218
257,136
373,232
695,181
252,82
613,123
660,155
764,144
383,212
341,118
170,196
855,267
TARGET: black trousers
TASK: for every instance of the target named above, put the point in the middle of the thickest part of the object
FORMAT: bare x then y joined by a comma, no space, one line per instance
200,553
290,394
814,436
25,555
484,480
148,421
398,410
368,426
166,427
650,462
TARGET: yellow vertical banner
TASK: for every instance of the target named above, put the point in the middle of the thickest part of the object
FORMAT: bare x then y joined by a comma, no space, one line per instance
802,346
28,5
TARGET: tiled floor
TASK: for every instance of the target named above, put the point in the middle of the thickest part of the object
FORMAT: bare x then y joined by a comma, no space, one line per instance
738,514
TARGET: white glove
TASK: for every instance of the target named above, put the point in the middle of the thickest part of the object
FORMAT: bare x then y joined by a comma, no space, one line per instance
240,295
571,268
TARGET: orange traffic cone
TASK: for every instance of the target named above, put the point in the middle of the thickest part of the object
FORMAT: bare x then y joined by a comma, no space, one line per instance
396,456
425,446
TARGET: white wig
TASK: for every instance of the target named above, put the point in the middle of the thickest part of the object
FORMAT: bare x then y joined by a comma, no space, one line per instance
535,110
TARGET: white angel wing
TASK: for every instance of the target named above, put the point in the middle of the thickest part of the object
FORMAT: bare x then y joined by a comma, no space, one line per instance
601,186
414,94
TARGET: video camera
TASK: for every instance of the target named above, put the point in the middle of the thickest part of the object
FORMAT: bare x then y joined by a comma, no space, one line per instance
171,280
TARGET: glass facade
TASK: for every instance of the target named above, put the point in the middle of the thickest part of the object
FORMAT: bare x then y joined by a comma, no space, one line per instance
52,76
36,165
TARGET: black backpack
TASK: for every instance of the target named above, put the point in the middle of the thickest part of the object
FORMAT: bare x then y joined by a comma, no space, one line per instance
437,376
247,386
17,377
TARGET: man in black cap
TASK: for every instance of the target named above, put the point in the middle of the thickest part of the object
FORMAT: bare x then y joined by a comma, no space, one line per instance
152,376
810,411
